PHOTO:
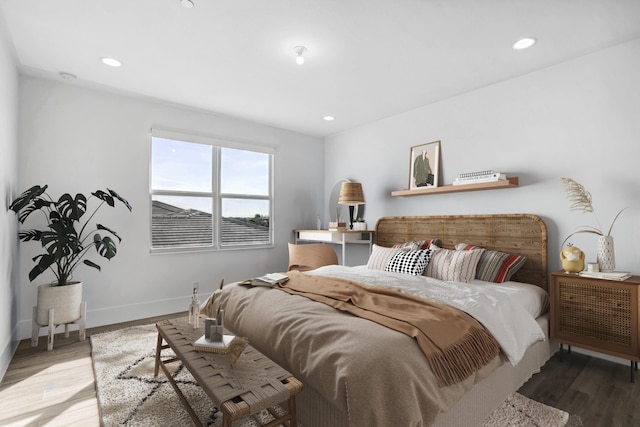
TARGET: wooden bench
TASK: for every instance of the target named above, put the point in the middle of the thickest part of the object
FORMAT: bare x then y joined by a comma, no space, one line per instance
254,384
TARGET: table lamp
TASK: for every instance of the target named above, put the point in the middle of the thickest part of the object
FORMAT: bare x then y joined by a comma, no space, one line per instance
351,194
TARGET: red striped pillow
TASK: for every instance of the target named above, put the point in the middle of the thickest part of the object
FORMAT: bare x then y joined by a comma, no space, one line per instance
495,266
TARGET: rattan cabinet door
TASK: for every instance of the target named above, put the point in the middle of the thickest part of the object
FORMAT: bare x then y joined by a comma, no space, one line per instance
596,314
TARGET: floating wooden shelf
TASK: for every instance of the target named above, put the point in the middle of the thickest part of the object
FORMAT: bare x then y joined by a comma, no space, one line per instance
450,188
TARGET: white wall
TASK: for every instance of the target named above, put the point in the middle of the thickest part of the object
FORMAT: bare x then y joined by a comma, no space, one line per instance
78,140
8,178
579,119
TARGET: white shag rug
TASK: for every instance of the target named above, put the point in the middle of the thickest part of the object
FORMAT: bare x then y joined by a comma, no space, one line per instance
129,394
518,410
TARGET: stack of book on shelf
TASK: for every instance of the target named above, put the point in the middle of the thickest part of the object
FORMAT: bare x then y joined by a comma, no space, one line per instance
478,177
613,275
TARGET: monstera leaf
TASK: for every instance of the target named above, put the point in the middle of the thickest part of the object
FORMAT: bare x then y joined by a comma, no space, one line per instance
72,208
105,246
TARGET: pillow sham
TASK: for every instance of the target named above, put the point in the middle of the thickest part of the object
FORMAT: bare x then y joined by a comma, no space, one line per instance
417,244
495,266
412,262
457,266
380,256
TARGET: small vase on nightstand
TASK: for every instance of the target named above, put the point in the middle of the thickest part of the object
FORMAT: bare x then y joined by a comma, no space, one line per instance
606,254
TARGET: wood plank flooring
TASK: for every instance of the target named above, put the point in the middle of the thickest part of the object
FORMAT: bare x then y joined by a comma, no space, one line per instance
57,388
597,390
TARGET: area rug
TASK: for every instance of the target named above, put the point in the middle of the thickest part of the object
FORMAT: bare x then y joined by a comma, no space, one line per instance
129,394
518,410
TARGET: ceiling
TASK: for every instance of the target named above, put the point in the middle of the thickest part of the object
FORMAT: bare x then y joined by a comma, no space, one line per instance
365,59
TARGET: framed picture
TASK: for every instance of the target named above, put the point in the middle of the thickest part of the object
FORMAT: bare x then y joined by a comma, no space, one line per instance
424,165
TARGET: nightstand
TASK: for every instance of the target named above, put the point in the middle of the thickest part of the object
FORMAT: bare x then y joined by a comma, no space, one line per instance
597,314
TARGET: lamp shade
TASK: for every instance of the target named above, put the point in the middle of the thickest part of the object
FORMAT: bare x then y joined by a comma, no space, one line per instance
351,194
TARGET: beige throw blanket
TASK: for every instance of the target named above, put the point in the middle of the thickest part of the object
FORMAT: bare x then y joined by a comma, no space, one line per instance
454,343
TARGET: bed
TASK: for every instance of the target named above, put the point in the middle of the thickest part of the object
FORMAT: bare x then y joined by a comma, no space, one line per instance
359,373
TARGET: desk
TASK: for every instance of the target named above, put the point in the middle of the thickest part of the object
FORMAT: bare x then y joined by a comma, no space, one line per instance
338,237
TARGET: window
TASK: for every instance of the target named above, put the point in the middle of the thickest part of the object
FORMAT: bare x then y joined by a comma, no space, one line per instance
208,194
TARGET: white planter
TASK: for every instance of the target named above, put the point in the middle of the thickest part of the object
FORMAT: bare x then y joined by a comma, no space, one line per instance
359,226
65,301
606,254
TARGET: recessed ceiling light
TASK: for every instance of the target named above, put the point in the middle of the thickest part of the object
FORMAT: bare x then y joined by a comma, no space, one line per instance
187,3
67,76
111,62
329,118
524,43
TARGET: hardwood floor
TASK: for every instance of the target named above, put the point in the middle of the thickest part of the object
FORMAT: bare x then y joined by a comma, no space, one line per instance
57,388
54,388
597,390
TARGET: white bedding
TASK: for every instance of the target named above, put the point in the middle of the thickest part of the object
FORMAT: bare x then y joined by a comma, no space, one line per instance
507,310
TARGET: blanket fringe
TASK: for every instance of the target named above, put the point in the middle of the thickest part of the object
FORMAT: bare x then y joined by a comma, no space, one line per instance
459,361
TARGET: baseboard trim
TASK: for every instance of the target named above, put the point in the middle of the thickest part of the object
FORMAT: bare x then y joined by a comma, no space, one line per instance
116,314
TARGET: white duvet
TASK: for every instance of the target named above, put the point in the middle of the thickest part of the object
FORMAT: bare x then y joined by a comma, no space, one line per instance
508,310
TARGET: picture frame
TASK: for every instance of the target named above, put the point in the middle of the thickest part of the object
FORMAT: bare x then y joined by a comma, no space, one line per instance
424,165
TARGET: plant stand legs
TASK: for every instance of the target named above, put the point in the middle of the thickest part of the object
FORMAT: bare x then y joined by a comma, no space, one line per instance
35,328
82,322
51,329
51,326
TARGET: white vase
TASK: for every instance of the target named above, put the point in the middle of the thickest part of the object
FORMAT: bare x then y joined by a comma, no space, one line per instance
65,301
606,254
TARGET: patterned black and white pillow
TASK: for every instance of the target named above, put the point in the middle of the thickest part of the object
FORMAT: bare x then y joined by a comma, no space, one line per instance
412,263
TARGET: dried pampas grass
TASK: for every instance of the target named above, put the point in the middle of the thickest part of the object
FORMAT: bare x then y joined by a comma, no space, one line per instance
577,195
580,200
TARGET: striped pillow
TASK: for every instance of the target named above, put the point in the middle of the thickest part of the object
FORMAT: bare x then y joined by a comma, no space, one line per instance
412,262
495,266
380,257
456,266
417,244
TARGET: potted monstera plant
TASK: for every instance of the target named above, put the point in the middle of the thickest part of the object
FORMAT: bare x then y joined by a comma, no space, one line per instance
66,236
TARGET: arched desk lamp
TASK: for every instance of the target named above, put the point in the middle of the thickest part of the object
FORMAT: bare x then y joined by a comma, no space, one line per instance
351,194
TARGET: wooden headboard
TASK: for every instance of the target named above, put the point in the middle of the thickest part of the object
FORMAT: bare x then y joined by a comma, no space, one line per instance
519,234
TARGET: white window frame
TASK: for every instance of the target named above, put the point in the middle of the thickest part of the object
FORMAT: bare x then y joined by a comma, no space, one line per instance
216,195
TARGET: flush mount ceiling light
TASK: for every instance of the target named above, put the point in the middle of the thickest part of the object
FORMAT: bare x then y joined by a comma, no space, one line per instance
111,62
300,50
524,43
187,3
329,118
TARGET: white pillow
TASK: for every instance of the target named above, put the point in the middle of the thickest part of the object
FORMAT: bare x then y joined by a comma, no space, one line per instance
455,266
380,256
412,262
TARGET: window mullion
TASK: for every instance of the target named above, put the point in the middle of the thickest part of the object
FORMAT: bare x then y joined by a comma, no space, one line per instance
216,198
